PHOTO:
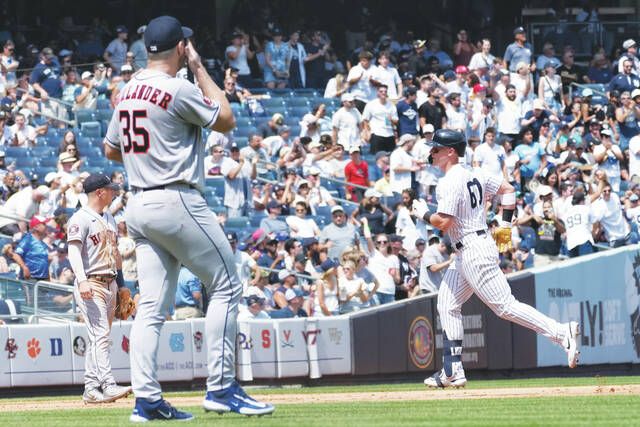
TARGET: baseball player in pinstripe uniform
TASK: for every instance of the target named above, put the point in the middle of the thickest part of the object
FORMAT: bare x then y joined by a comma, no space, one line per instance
156,131
461,215
95,260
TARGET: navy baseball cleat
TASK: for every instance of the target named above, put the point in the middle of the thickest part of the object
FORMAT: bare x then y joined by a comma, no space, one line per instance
234,399
161,410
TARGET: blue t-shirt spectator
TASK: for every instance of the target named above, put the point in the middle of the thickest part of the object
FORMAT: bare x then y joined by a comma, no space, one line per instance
286,313
533,153
600,75
407,117
188,283
624,83
35,254
537,123
516,53
48,76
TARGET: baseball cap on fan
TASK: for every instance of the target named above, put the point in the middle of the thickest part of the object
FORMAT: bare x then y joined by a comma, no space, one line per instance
164,33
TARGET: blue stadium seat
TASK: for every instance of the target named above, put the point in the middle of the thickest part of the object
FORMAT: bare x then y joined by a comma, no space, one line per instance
217,184
49,162
297,102
91,129
292,120
104,114
243,121
299,112
277,109
295,130
27,162
43,151
237,108
272,102
83,116
244,131
241,141
104,104
256,217
16,151
238,223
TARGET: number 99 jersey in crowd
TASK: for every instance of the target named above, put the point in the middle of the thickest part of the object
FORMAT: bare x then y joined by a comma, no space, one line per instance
461,193
157,126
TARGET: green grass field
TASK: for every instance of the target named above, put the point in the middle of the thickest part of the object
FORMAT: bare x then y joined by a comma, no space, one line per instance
552,410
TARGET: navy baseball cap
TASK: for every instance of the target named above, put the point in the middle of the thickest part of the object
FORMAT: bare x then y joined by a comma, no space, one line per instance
96,181
232,236
164,33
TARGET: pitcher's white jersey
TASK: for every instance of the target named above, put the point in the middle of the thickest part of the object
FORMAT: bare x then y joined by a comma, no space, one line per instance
461,193
157,125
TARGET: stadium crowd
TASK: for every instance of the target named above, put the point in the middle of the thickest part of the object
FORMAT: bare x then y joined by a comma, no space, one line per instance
315,186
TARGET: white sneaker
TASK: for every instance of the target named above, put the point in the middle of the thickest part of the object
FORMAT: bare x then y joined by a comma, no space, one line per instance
92,395
572,344
113,392
440,380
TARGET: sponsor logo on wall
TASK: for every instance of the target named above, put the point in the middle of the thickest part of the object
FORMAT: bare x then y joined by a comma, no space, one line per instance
125,344
421,342
197,341
33,348
79,346
176,342
11,348
286,339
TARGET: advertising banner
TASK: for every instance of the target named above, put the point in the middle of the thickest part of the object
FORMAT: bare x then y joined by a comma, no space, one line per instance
10,351
120,364
262,343
42,355
199,348
602,292
334,345
175,356
79,343
291,348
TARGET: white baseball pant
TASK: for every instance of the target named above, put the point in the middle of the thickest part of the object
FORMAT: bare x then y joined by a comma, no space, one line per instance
98,314
174,227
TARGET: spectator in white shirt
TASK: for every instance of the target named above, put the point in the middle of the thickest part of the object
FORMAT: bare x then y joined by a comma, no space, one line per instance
608,156
482,60
359,79
490,156
578,220
509,113
456,113
301,226
238,54
634,156
380,116
608,211
402,164
387,75
347,123
22,134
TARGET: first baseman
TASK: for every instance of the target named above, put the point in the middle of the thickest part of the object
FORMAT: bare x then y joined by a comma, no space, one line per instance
156,131
461,215
95,260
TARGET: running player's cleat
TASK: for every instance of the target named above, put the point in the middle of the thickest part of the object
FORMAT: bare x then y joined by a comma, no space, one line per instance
113,392
92,395
234,399
572,344
440,380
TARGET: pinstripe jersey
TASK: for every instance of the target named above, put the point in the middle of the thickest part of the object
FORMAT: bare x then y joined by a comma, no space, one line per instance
461,194
157,126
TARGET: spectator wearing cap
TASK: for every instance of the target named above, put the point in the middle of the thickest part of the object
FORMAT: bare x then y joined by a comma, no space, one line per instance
55,197
482,119
387,75
252,309
523,256
402,164
359,79
435,261
300,224
408,112
339,235
188,296
238,54
272,223
626,80
608,157
116,51
246,266
269,255
139,50
518,51
20,207
86,96
459,84
32,254
432,111
371,212
287,281
534,118
276,57
632,208
631,53
271,127
607,211
356,172
46,81
347,123
416,63
66,162
293,308
550,88
60,268
578,220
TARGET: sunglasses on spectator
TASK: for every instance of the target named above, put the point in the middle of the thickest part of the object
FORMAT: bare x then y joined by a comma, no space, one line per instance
301,210
381,242
606,191
218,151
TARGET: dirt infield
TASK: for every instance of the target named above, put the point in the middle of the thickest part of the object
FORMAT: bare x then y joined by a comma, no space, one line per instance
303,398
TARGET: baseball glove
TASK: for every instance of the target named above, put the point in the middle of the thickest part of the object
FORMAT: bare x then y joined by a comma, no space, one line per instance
125,306
502,236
